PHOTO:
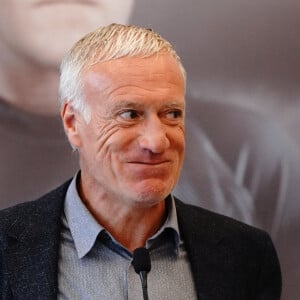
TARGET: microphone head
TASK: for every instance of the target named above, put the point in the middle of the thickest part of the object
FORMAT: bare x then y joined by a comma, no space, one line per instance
141,260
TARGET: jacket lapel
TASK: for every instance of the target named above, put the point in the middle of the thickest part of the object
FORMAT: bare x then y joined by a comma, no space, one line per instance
205,251
33,245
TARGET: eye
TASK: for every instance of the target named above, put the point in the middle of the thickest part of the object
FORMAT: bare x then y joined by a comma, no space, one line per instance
129,114
174,114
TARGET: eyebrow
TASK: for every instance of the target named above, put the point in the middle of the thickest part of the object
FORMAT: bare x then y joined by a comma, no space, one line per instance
137,105
176,105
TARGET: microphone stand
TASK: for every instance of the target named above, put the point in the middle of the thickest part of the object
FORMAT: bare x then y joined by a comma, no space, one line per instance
142,265
143,277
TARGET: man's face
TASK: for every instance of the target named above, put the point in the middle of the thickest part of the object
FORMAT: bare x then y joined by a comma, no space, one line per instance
133,147
42,30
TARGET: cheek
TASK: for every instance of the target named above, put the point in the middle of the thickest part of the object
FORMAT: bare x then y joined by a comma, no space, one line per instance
178,146
112,140
177,137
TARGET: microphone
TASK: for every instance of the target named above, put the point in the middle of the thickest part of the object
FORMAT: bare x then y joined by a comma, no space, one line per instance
142,265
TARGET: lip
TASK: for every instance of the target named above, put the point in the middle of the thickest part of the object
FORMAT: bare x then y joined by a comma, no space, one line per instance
150,163
69,2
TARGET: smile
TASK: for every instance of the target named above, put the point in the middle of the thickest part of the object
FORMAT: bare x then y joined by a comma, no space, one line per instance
151,163
51,2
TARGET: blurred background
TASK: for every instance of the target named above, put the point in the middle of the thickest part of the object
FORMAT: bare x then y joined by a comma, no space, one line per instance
237,51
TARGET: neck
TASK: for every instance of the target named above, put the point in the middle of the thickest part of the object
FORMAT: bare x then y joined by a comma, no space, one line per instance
132,225
29,86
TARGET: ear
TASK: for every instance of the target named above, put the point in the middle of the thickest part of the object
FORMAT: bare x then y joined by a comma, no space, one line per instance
71,123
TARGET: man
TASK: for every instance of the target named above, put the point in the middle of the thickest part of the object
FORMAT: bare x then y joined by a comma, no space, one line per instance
34,154
122,90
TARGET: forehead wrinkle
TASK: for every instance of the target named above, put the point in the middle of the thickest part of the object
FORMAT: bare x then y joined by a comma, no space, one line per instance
104,73
129,96
153,87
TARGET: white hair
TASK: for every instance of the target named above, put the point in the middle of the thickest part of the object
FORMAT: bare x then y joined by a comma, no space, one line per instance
106,43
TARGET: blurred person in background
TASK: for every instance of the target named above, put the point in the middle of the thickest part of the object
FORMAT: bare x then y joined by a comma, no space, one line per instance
34,35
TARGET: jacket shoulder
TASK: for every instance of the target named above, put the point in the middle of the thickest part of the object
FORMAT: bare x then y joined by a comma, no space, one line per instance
194,216
33,211
245,255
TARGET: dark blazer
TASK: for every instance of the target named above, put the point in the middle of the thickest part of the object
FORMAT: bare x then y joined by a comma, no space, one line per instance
229,260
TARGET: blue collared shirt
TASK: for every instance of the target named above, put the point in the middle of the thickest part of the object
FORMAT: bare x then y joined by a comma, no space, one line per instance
93,265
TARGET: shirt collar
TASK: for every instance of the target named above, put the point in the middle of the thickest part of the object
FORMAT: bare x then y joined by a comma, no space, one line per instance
85,229
83,226
170,223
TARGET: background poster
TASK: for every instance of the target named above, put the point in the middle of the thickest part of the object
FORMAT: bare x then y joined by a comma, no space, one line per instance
242,60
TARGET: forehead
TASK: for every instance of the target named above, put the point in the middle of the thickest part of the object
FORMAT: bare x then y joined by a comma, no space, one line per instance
158,73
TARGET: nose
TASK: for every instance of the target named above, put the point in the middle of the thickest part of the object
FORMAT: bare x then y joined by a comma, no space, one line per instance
153,136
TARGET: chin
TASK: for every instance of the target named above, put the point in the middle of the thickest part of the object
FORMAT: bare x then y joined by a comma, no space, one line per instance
150,196
147,201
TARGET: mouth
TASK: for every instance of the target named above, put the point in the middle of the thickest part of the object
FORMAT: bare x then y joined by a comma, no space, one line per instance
149,163
54,2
